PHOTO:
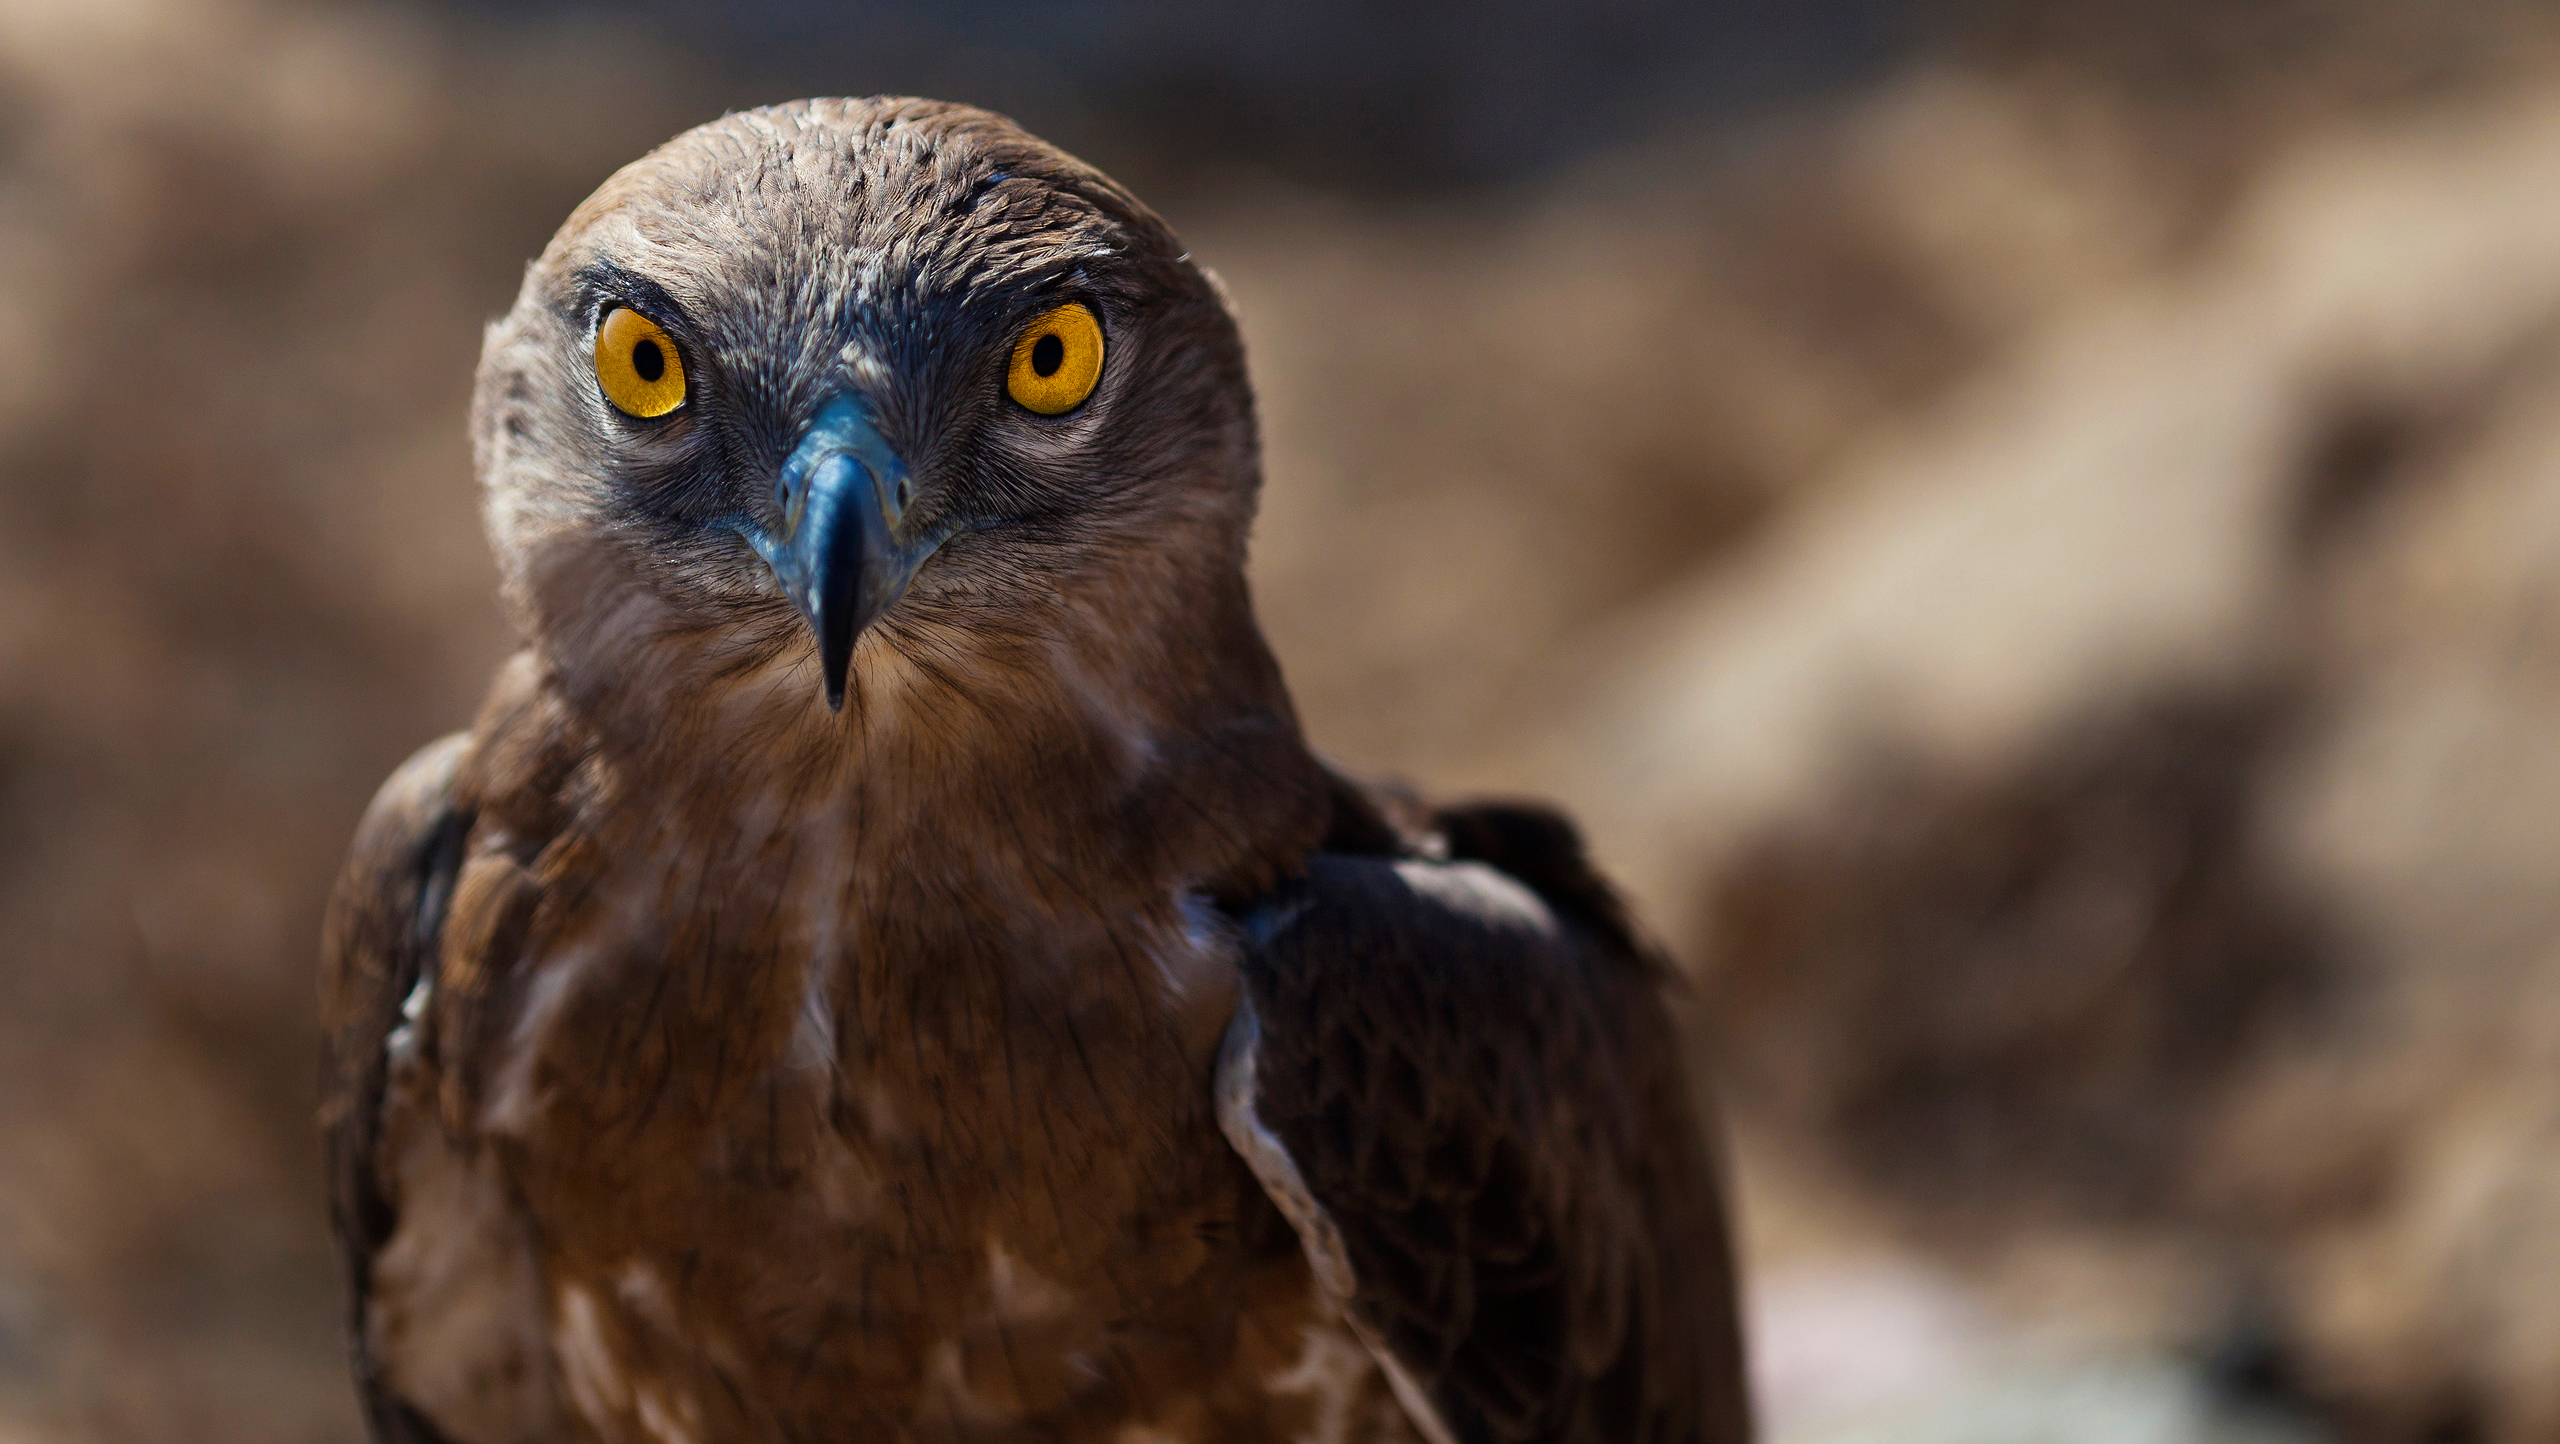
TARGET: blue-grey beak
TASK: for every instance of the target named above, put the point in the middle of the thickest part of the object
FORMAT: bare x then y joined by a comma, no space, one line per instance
842,551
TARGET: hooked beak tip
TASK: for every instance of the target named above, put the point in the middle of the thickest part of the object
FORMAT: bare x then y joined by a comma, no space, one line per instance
836,660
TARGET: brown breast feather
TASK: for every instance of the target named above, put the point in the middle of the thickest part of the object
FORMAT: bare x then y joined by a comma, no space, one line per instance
683,1144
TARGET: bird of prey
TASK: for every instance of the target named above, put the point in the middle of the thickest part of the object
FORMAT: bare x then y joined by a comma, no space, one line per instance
884,963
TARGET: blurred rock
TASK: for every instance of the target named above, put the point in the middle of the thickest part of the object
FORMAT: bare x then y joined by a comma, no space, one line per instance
2123,804
1844,1340
2132,1402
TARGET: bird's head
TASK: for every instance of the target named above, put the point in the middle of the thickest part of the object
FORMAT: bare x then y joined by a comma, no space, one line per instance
840,381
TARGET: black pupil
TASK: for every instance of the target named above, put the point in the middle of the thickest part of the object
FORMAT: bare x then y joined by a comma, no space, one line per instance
648,360
1048,354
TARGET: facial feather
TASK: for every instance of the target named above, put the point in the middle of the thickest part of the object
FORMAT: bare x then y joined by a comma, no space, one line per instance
1088,602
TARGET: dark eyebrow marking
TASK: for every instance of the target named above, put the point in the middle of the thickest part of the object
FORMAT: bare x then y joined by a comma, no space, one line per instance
601,284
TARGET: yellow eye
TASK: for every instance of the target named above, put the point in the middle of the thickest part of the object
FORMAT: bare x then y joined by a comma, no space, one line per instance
637,364
1057,360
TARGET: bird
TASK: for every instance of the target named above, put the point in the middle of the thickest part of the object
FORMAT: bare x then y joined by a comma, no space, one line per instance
885,963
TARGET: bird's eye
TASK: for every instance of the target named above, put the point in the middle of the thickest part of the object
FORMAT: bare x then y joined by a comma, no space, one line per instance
637,364
1057,360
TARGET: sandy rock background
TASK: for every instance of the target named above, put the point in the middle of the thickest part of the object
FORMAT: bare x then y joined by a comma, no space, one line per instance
2037,568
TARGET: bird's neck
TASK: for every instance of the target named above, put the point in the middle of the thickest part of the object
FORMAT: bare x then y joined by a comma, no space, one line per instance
1119,744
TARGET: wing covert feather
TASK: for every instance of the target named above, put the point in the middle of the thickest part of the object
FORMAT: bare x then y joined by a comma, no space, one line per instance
1472,1069
383,920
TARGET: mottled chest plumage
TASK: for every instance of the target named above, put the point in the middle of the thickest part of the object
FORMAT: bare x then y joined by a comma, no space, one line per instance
727,1178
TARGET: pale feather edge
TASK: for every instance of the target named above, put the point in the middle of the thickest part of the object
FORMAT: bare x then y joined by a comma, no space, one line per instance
1239,1063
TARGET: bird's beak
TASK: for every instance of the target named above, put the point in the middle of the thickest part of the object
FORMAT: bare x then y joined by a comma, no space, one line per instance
842,551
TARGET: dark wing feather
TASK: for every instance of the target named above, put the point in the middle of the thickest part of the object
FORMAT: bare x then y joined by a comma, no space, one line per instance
380,935
1466,1059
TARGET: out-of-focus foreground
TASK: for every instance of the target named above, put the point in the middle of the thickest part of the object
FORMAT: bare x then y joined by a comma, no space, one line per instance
2039,574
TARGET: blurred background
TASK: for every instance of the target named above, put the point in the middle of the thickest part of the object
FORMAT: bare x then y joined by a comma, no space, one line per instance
2026,532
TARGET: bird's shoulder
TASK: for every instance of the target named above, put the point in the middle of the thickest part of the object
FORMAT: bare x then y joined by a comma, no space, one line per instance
1454,1070
438,866
462,808
380,931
